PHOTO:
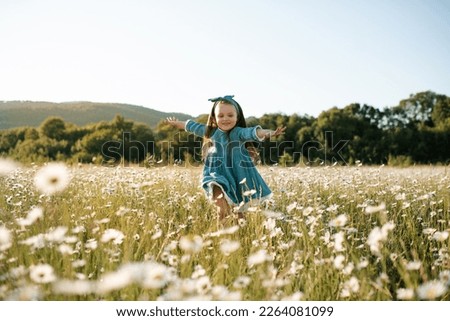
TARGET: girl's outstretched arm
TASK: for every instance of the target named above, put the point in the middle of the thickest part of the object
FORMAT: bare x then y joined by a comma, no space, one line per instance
267,133
175,122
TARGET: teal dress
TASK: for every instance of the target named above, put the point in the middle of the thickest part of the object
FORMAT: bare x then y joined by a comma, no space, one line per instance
229,166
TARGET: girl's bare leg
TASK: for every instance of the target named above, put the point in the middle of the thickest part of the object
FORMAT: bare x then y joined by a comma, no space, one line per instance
223,208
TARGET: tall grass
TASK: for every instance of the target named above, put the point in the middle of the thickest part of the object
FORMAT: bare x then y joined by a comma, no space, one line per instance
329,233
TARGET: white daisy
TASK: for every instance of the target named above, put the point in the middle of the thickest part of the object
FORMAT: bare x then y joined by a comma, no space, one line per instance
78,263
5,238
203,284
57,235
78,287
363,264
352,284
35,242
428,231
338,241
444,276
258,257
375,209
249,192
272,214
91,244
338,262
269,224
227,246
112,235
156,275
191,244
52,178
405,294
157,235
413,265
116,280
199,271
296,296
241,282
339,221
42,273
33,215
431,290
65,249
7,166
291,207
377,235
308,211
440,236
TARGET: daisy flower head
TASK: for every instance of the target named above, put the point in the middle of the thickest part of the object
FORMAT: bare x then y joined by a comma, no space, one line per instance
78,287
5,238
33,215
116,280
405,294
377,236
227,246
203,284
338,262
42,273
375,209
52,178
112,235
339,221
413,265
444,276
297,296
431,290
350,286
7,166
241,282
258,257
156,275
440,236
191,244
338,241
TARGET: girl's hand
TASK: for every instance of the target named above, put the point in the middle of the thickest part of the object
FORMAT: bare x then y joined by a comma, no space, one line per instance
274,133
174,122
279,131
267,133
170,120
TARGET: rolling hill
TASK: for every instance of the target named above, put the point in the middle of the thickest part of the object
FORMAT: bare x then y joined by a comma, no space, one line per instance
31,113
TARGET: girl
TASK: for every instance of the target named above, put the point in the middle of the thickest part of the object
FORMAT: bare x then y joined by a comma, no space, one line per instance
230,177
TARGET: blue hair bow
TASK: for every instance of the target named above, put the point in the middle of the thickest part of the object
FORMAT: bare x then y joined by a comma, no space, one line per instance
227,98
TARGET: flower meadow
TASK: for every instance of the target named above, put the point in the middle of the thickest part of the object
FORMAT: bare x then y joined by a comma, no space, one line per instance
135,233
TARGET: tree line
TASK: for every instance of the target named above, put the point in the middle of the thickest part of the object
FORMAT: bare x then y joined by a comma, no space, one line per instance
417,131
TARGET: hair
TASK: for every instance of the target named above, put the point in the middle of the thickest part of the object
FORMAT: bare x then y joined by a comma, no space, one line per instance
211,127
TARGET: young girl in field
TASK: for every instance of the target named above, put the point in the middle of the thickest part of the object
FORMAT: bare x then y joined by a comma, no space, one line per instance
230,177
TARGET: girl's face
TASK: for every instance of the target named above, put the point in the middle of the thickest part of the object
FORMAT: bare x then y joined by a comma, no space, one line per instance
226,116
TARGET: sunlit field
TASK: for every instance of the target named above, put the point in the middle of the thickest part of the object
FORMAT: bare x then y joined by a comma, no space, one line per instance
135,233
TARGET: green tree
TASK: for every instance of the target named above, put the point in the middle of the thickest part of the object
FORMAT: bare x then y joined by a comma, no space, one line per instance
41,149
347,135
53,127
92,146
138,143
441,113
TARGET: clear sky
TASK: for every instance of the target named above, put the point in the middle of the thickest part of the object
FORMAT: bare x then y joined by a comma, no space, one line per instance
289,56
